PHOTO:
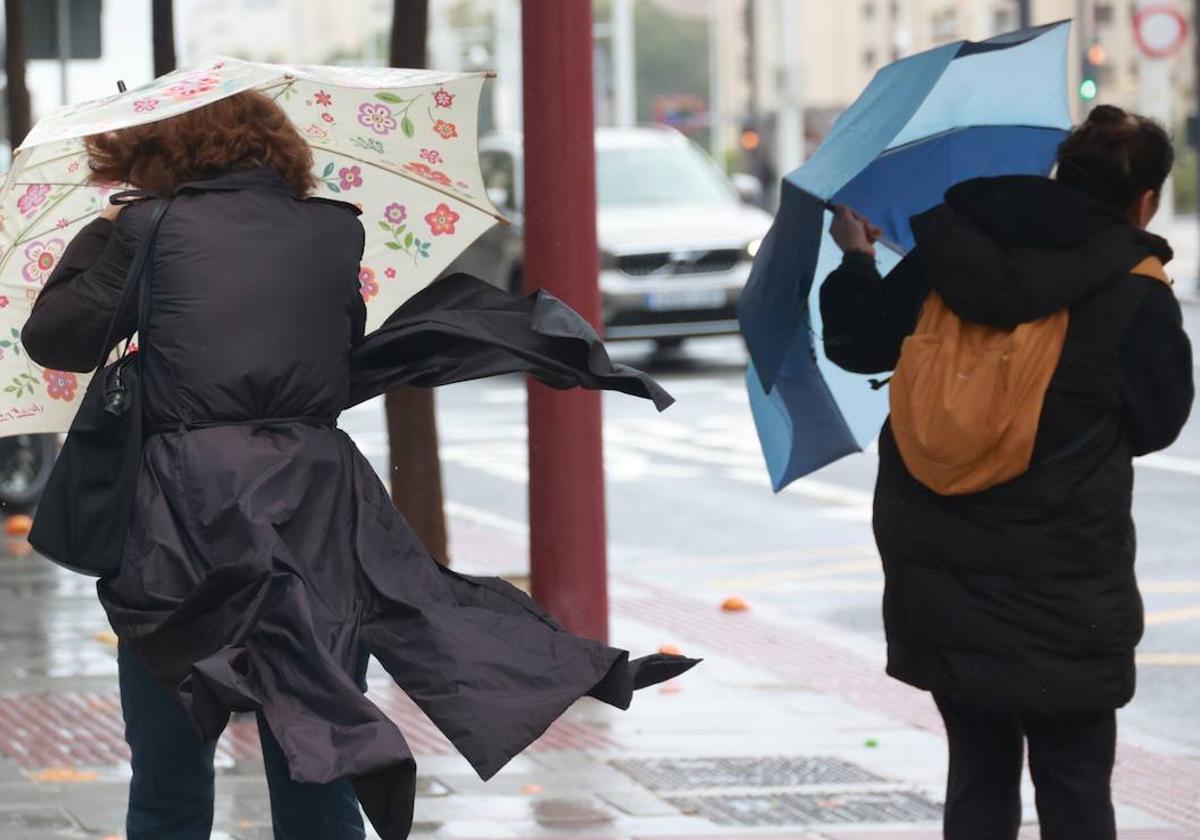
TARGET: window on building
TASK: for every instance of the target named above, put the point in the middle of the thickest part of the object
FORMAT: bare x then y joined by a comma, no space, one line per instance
868,11
1105,13
869,59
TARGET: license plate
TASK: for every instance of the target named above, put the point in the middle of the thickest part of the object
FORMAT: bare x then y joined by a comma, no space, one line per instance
685,299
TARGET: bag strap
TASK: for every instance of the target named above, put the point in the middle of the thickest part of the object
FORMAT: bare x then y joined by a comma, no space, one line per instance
135,277
1153,268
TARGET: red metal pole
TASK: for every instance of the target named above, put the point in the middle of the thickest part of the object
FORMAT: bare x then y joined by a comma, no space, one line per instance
566,467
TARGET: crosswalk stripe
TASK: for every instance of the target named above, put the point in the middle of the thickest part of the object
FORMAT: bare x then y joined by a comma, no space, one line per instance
1172,616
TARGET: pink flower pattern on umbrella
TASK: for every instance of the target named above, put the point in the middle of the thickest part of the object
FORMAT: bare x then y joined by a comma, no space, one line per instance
395,213
351,177
62,223
378,118
389,273
41,257
431,155
191,86
448,130
443,98
429,173
34,197
368,287
143,105
442,220
323,98
3,301
60,385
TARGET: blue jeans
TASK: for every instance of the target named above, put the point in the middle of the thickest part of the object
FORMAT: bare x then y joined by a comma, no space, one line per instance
171,792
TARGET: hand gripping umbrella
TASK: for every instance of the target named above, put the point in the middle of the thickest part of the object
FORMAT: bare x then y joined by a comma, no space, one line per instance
400,144
960,111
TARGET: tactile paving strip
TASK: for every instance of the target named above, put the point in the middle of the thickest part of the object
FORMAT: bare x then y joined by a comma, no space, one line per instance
85,729
788,809
691,773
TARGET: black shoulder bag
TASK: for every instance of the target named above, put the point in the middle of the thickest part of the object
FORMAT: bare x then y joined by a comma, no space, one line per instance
83,517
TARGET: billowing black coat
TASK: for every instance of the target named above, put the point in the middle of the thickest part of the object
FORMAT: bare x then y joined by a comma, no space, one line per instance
1023,597
264,553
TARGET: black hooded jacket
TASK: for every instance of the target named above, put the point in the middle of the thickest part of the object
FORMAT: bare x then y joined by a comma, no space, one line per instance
1023,597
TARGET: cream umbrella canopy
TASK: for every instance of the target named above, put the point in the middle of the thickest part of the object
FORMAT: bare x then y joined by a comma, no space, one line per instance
399,144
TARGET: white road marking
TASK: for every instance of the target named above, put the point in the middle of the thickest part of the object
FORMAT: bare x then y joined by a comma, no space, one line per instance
1175,660
1172,616
487,518
1170,463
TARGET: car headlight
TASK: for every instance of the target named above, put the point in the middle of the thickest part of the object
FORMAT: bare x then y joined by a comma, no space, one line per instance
752,248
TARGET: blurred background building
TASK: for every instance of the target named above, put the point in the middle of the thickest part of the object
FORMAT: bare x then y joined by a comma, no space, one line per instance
756,82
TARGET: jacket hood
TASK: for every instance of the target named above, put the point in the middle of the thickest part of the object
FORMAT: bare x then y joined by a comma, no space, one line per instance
1017,248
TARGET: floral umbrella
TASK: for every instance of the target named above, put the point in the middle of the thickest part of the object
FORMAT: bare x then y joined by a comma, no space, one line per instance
400,144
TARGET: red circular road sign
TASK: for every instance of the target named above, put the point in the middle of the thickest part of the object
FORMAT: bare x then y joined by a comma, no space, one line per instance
1159,30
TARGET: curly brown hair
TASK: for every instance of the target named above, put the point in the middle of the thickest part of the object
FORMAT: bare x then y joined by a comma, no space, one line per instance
242,131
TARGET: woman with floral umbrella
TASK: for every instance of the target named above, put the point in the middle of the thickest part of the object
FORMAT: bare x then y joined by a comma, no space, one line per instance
264,559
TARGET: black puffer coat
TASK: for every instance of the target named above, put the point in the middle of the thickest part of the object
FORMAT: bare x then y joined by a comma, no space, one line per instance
1023,597
264,553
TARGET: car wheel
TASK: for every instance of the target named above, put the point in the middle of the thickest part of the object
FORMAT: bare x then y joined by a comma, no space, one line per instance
25,465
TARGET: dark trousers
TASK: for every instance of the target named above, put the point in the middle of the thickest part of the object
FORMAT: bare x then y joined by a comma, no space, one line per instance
171,792
1070,760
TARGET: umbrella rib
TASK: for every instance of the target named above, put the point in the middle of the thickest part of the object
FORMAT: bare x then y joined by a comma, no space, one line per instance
414,179
53,229
81,150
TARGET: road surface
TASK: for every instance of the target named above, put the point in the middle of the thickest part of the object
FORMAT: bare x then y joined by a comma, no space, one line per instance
689,506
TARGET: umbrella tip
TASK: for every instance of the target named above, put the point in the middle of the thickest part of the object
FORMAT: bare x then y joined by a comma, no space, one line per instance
120,85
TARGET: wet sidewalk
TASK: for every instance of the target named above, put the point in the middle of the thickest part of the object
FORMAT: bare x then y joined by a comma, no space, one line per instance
787,730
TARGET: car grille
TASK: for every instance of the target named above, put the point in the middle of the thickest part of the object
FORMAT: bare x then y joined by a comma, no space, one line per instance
678,263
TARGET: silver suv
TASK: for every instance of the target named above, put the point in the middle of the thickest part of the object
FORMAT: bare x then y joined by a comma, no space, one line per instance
676,237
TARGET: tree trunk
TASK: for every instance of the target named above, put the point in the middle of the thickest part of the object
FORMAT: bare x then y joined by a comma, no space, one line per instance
410,28
162,26
16,93
416,475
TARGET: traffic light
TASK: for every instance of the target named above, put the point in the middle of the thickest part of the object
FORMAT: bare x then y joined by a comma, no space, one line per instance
1094,58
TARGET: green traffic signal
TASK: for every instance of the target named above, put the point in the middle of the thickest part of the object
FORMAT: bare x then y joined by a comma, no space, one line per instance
1088,89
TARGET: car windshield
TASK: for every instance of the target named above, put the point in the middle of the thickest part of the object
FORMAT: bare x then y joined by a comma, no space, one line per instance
659,175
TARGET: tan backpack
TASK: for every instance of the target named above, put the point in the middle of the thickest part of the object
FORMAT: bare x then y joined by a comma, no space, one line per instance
966,398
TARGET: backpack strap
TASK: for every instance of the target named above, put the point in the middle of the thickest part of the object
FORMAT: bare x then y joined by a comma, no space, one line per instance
1153,268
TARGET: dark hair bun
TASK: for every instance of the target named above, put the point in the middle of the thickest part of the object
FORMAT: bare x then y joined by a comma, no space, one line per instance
1116,156
1107,114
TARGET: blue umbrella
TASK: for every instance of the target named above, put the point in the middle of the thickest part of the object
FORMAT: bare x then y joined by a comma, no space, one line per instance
963,110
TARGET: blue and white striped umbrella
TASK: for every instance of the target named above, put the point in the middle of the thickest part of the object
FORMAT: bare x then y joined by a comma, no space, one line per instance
960,111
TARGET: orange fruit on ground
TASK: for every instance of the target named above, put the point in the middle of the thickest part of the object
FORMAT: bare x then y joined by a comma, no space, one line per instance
734,603
18,525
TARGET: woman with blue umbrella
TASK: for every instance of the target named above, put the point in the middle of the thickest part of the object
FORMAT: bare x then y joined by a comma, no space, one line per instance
1035,352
